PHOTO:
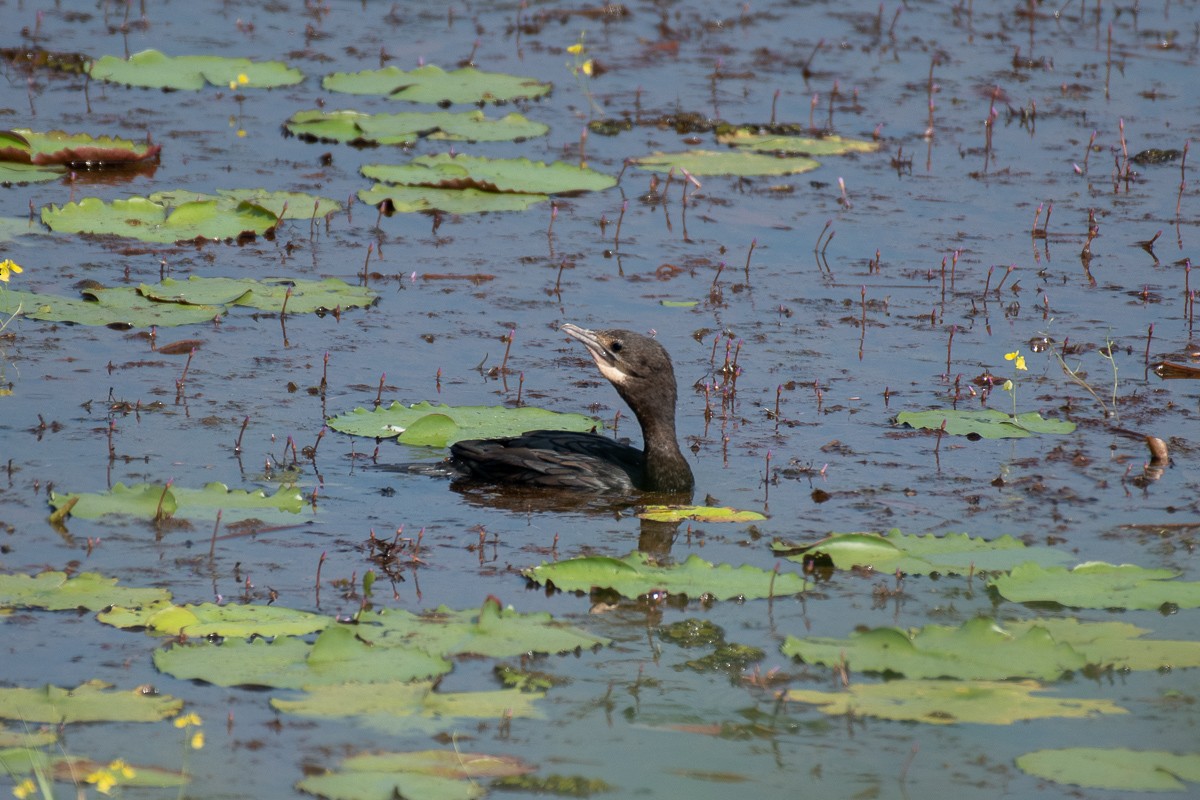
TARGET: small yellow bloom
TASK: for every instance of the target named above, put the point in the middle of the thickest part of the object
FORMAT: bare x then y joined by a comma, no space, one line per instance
575,49
24,789
243,79
8,267
119,767
197,742
103,779
1007,386
587,68
1016,356
241,134
184,720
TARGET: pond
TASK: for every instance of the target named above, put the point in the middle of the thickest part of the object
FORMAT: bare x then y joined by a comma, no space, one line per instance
1024,187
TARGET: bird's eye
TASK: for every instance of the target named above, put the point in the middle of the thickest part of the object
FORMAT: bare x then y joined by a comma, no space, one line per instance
616,346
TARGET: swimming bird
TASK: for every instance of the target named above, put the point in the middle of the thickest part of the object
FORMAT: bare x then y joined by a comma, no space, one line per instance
640,369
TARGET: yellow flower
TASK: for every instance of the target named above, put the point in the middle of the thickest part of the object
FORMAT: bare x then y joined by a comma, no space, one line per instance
587,68
103,779
1007,386
24,789
1016,356
241,134
243,79
8,267
197,742
120,767
575,49
185,720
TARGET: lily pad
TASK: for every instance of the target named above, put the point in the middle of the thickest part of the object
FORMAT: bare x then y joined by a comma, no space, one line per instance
986,422
397,707
78,151
432,84
1119,769
359,129
284,205
411,199
56,591
123,308
150,500
153,70
429,425
980,649
1116,645
143,219
635,575
1098,585
338,656
808,145
920,555
208,619
69,768
948,702
699,514
427,774
12,174
268,294
445,171
710,162
89,702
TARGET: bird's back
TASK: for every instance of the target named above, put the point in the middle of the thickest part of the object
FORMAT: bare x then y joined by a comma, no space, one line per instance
551,459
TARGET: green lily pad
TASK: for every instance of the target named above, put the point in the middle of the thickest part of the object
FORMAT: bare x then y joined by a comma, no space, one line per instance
1116,645
56,591
119,308
12,174
338,656
78,151
143,219
445,171
144,499
153,70
635,575
920,555
808,145
284,205
89,702
432,84
986,422
26,737
1119,769
1098,585
948,702
69,768
359,129
699,514
208,619
19,229
429,425
425,774
268,294
732,162
410,199
980,649
491,631
399,707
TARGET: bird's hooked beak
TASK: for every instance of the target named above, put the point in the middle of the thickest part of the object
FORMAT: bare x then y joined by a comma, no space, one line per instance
605,359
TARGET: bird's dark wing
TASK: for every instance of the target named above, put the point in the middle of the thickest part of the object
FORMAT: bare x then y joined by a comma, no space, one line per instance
553,459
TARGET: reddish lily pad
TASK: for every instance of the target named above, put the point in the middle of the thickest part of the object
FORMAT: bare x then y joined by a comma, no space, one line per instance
77,151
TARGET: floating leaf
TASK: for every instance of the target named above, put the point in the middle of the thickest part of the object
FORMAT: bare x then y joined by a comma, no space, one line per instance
1098,585
465,422
285,205
150,500
123,309
635,575
426,774
209,619
1120,769
398,706
268,294
57,592
143,219
808,145
708,162
986,422
490,631
699,514
980,649
948,702
445,171
921,555
89,702
359,129
69,769
78,151
338,656
432,84
1116,645
409,199
152,70
20,174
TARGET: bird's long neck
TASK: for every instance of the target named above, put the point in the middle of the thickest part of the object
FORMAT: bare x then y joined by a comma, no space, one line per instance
664,467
